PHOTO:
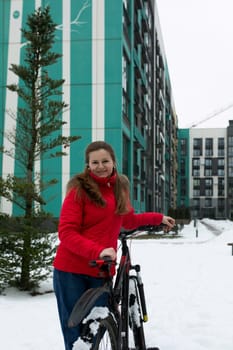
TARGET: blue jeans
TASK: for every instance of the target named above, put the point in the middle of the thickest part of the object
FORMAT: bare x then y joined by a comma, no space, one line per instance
68,288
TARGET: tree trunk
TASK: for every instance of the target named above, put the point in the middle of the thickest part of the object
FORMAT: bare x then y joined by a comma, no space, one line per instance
25,263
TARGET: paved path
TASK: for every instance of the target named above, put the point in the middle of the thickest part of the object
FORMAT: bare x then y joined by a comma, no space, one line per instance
216,231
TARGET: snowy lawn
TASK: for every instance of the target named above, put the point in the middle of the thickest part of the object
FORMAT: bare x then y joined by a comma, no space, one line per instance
189,289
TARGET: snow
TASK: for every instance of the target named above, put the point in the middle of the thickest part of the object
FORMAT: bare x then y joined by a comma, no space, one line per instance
188,284
96,312
134,309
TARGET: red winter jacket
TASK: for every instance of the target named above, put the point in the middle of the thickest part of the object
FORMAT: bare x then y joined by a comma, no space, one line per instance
86,229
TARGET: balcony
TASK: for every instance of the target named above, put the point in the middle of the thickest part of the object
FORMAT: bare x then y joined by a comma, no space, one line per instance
145,53
145,25
136,170
139,4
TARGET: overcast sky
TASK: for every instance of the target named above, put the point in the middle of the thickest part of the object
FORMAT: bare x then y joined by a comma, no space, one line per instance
198,40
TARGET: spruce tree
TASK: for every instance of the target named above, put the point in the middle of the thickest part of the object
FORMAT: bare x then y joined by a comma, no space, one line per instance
37,137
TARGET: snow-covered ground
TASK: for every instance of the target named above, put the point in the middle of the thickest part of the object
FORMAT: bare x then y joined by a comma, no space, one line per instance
189,289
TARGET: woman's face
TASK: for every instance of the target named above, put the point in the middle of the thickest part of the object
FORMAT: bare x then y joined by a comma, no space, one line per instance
101,163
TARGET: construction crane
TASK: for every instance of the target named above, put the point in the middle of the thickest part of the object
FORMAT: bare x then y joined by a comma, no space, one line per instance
212,115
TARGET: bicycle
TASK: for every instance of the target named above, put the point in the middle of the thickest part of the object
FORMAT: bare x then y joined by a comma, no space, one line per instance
114,326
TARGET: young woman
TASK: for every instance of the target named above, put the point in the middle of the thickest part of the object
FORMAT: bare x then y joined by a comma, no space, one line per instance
96,206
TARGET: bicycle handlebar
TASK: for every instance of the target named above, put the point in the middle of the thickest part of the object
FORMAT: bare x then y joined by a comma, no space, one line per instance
102,261
149,228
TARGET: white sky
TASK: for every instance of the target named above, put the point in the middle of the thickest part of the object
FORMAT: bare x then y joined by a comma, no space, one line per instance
198,40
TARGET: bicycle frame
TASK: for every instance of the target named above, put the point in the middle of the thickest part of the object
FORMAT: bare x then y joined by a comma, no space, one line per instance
120,289
122,285
115,291
118,296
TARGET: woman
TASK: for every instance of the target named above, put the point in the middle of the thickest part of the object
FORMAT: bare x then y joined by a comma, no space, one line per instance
95,208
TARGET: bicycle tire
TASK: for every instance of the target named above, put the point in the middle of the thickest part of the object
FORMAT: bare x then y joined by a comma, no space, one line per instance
100,332
106,338
135,317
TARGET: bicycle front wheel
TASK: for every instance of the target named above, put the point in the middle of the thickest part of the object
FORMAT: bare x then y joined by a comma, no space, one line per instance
135,317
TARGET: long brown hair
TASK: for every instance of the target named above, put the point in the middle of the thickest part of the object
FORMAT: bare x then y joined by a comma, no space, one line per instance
84,182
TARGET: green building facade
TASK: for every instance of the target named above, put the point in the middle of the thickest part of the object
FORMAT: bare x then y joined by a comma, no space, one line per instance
184,168
111,66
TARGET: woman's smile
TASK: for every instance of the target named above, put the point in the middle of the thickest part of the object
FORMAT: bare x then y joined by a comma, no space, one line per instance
101,163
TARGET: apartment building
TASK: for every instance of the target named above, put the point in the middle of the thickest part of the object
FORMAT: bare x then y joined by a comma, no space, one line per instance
118,89
206,171
165,131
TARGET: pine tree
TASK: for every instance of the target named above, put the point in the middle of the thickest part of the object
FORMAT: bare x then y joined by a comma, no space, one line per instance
37,137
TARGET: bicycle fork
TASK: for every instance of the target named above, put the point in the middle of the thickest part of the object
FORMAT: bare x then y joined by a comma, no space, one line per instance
137,269
124,319
124,324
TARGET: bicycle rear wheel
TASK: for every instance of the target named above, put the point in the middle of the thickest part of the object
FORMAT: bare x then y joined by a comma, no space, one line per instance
106,338
99,331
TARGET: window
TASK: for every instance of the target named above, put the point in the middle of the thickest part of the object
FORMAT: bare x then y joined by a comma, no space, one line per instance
208,202
208,167
196,182
208,187
149,20
196,152
208,183
196,172
221,187
221,146
183,186
142,195
183,147
196,213
125,70
221,181
208,172
230,151
230,166
125,87
182,202
230,189
221,167
208,162
135,193
196,166
182,167
196,193
221,172
208,146
221,205
221,162
209,152
196,143
196,162
196,203
125,155
197,147
208,192
125,2
230,171
230,141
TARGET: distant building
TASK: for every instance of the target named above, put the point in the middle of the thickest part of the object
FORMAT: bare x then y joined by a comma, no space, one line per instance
117,87
205,178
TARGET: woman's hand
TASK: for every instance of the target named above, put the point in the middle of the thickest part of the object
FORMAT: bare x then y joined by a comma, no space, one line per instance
169,222
109,252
